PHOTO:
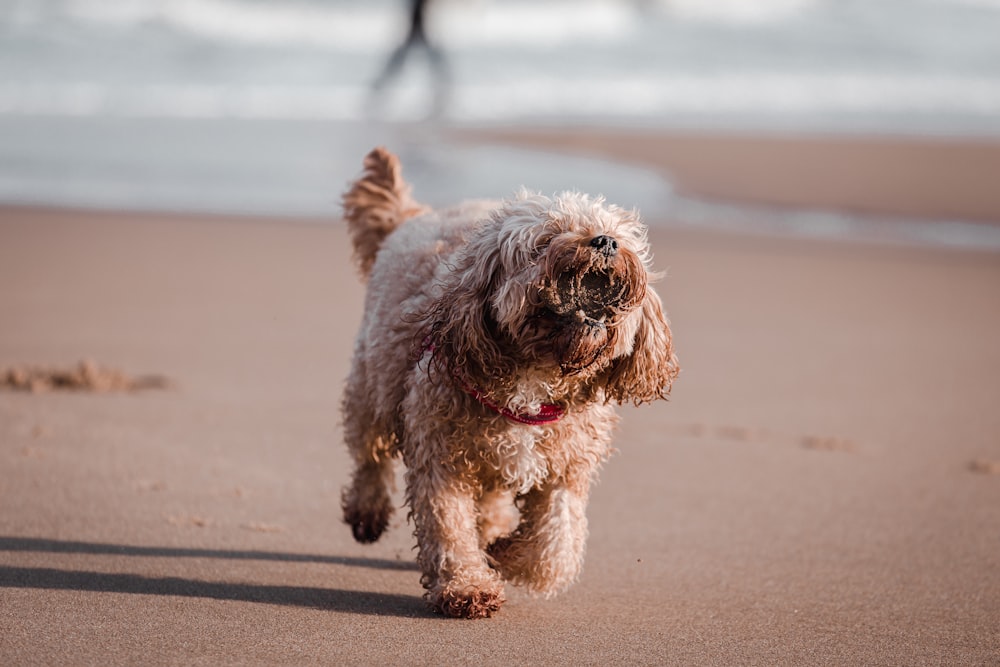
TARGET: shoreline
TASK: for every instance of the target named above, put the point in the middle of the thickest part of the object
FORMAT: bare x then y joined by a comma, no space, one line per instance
883,190
932,177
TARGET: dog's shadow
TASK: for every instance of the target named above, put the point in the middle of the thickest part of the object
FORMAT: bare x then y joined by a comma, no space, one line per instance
331,599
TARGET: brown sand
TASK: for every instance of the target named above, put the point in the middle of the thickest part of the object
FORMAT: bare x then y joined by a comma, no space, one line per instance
821,489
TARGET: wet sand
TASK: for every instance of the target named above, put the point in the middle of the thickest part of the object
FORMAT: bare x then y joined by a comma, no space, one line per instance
822,487
943,177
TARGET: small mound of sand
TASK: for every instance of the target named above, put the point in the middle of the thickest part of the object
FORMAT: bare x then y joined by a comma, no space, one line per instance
86,376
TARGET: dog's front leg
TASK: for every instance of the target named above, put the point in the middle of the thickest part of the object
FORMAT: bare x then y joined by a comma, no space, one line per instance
546,552
365,501
458,580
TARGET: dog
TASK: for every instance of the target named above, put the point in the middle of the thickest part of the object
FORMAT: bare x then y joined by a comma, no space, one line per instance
496,338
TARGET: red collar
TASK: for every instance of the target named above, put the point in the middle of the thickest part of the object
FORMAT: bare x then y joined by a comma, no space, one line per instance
547,414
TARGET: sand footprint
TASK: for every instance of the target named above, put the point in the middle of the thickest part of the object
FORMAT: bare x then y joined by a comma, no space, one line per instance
744,434
827,443
984,467
261,527
188,520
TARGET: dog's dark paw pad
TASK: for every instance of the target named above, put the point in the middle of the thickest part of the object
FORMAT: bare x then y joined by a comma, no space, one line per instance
366,533
366,527
469,604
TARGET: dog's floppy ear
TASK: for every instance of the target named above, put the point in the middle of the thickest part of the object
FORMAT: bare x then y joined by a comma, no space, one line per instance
649,371
459,326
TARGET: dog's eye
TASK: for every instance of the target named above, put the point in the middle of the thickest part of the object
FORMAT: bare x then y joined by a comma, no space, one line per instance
540,248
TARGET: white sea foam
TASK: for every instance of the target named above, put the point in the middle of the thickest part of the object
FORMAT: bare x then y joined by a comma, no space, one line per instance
290,23
781,96
365,27
509,60
736,11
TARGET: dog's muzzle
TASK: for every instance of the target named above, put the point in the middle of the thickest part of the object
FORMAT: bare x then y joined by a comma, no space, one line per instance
585,296
582,306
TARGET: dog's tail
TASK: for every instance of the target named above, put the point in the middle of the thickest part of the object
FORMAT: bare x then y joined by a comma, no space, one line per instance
377,204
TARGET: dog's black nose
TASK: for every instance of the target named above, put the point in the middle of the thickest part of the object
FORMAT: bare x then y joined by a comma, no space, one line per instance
605,244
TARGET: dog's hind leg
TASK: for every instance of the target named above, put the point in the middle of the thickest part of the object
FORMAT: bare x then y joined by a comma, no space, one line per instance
546,552
498,517
366,502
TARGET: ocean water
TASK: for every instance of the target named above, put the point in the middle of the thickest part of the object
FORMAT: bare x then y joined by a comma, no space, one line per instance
266,106
902,65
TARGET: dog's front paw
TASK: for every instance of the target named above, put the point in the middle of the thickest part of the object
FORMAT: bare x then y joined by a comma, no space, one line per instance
367,520
545,573
468,602
367,528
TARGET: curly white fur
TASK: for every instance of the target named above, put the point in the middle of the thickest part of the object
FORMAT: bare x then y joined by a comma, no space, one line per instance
495,337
